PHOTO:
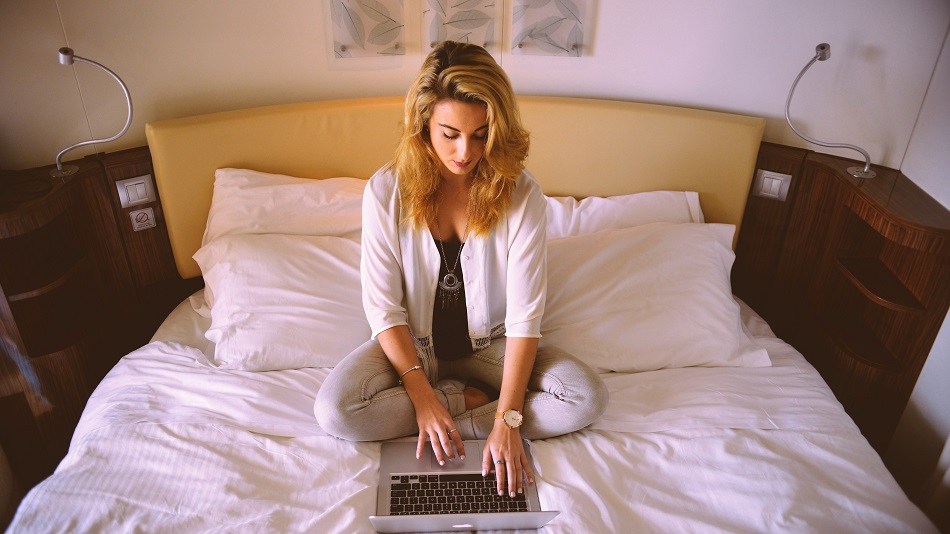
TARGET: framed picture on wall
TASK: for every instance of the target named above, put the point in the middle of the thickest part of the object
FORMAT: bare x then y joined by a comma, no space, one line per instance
551,27
364,28
467,21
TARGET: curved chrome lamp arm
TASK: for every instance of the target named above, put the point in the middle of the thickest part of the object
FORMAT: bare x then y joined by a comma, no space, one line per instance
823,52
67,57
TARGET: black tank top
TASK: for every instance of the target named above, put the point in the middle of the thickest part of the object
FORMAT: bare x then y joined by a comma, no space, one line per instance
450,317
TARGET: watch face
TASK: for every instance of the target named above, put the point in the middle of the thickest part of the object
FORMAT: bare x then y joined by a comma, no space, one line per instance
513,418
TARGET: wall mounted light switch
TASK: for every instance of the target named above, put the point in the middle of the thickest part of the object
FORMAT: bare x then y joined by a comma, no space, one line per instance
772,185
135,191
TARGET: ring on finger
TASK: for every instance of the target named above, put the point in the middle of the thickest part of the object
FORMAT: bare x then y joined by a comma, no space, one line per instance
502,462
452,430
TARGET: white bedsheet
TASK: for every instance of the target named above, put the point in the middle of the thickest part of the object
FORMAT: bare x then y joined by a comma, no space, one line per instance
168,443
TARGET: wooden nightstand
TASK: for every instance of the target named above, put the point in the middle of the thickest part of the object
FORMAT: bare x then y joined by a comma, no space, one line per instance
854,273
79,288
52,310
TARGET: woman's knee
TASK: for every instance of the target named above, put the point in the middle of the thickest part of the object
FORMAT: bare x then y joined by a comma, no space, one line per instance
344,412
596,397
337,416
341,402
579,385
347,422
328,410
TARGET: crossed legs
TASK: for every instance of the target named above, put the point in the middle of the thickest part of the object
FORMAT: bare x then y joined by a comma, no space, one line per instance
362,400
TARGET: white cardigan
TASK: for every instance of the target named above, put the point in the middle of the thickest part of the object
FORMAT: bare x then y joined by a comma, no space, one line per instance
505,271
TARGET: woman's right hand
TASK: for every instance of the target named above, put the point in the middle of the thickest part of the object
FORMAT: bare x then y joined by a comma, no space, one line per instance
435,423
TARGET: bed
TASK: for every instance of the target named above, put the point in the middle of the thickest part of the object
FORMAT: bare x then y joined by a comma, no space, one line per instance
714,424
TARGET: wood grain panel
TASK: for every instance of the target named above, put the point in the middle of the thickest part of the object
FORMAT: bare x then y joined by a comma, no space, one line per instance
28,456
156,285
861,285
148,251
763,229
62,270
891,191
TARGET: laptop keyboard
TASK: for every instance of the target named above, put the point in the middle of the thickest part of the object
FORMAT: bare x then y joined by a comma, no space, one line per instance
450,493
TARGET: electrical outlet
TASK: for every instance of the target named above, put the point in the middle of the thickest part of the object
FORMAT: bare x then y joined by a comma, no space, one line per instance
772,185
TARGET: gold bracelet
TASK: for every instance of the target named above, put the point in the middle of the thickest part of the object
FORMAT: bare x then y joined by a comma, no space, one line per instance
411,369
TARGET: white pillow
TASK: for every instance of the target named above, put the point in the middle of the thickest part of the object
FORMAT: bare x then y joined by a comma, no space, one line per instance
649,297
283,301
251,202
568,216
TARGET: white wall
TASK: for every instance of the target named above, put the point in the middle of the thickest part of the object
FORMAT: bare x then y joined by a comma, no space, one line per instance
925,428
928,156
182,57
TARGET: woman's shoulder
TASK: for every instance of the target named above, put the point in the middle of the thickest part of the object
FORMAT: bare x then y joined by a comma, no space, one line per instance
527,186
383,182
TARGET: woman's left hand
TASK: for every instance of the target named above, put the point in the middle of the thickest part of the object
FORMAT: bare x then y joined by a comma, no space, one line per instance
504,452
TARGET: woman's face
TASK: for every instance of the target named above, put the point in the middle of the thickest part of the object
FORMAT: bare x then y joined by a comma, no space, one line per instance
458,131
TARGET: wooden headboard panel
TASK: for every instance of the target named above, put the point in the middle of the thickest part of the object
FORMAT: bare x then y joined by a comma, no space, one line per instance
580,147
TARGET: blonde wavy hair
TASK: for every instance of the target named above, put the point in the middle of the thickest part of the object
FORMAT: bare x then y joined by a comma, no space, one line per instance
467,73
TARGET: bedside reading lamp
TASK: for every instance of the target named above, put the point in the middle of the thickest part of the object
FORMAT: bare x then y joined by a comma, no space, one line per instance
66,57
823,52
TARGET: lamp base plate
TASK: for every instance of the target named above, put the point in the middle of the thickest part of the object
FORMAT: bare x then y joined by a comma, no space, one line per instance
67,170
858,172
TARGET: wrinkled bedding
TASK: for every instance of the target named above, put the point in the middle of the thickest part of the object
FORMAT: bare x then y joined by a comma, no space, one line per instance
169,443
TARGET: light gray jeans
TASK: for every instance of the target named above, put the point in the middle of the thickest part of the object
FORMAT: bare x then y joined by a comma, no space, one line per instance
362,399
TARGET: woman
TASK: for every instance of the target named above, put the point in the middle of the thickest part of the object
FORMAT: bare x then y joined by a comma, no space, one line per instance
454,280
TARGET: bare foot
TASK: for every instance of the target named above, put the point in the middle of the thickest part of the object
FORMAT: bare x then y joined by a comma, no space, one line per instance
474,398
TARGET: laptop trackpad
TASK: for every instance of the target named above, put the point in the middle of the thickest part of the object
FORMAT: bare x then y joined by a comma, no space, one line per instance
472,462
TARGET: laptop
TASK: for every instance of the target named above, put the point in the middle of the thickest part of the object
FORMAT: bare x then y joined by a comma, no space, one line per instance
423,496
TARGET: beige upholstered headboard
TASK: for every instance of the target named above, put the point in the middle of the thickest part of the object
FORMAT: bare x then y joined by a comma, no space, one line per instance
579,147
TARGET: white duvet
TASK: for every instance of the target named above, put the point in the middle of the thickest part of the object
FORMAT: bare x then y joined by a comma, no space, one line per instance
170,444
